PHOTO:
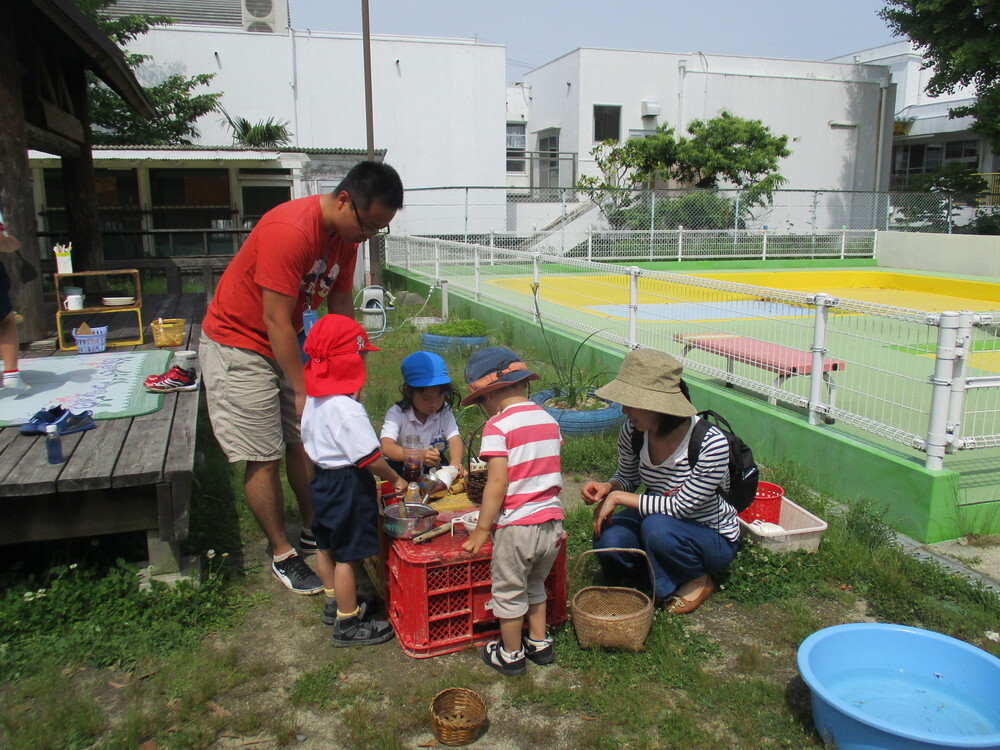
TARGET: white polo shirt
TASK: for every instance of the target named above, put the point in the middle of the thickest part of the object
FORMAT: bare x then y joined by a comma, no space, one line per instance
336,432
399,422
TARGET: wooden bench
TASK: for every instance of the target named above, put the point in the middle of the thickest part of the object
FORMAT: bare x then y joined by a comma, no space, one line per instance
129,474
784,361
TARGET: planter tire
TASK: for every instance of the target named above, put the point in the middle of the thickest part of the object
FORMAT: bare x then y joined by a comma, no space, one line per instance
431,342
577,423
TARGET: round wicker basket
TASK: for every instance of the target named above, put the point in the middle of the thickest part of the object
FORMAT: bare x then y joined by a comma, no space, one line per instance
613,616
457,716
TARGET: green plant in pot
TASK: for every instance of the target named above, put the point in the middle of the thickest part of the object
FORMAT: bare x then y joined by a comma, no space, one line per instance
454,335
569,395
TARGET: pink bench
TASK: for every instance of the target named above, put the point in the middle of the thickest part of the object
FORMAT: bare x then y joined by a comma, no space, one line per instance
782,360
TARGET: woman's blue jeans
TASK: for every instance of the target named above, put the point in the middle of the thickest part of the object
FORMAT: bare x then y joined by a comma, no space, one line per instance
678,550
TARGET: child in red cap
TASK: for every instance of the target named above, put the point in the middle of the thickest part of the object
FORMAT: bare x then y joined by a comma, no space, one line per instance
340,440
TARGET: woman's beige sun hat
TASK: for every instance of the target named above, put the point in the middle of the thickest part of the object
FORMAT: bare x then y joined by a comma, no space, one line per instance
649,379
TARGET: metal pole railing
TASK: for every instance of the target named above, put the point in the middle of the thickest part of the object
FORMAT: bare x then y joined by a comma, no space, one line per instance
633,306
818,348
944,369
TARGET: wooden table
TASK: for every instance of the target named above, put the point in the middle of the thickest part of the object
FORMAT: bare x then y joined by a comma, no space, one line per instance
129,474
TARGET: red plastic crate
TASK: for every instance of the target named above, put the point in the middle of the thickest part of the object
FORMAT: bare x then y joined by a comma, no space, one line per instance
766,505
438,594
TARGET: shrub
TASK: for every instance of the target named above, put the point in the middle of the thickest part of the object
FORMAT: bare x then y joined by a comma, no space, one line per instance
459,328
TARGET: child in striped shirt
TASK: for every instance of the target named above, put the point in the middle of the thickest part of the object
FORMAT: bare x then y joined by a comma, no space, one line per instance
521,506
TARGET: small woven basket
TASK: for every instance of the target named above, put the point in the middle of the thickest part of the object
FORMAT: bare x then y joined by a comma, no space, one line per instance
475,479
457,716
613,616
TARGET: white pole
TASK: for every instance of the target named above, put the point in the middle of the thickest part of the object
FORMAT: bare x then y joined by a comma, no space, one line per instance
944,369
633,306
956,403
680,242
444,297
477,261
818,353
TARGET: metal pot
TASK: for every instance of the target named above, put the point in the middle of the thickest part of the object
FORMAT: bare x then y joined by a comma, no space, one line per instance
419,518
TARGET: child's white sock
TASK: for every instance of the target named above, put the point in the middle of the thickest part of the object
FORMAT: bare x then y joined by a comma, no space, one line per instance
12,379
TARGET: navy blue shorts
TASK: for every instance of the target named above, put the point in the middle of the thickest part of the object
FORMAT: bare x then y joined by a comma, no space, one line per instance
6,308
345,512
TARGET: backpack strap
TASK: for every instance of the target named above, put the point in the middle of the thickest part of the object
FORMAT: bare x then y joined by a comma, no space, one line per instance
697,438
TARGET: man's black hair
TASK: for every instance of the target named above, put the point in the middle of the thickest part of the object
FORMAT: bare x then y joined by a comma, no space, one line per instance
371,181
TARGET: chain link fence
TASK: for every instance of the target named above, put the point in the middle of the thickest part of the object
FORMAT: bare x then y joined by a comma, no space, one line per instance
682,224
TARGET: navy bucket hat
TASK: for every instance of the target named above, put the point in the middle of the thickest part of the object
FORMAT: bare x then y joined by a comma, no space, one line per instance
492,368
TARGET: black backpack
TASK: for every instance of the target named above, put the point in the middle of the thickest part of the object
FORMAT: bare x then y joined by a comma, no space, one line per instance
743,471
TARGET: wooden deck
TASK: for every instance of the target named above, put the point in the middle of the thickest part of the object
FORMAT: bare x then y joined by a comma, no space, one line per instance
130,474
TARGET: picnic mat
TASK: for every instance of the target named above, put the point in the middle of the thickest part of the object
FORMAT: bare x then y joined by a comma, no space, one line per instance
109,384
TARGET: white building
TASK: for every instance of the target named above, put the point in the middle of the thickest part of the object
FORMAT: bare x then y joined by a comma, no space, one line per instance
925,136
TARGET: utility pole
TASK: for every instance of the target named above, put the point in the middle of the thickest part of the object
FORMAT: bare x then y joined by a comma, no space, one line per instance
374,247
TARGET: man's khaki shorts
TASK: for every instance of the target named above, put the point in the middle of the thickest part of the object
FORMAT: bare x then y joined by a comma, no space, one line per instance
522,559
250,402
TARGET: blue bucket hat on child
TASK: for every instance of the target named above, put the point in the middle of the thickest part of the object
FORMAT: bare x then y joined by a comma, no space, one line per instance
491,368
424,369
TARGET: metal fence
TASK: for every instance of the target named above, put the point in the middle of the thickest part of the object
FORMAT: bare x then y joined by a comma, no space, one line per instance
919,379
513,217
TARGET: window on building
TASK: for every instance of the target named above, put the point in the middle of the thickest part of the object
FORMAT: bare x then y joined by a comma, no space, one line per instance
912,159
516,146
118,209
191,199
607,122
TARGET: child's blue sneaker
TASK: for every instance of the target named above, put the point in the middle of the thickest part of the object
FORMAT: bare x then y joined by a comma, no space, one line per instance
44,417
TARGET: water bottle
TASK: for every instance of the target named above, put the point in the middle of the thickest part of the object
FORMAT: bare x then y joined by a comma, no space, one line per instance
53,444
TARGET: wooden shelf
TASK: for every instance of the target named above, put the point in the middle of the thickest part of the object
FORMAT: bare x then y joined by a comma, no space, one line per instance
135,307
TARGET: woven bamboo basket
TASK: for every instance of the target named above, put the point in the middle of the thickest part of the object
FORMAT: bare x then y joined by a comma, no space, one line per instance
475,479
457,716
613,616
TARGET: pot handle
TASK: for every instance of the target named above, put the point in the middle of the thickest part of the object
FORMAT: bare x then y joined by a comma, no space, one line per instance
431,533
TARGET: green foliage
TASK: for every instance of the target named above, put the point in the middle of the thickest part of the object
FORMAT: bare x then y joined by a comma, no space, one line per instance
469,328
702,209
176,104
270,133
959,40
727,148
574,382
758,575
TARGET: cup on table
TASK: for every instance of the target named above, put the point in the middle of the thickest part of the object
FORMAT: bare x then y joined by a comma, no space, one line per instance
73,302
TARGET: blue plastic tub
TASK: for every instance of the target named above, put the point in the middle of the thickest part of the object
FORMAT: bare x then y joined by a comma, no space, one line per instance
894,687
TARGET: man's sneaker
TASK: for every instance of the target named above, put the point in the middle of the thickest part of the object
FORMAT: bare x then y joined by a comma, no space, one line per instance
43,418
181,380
307,543
74,423
357,631
493,656
540,652
172,372
297,576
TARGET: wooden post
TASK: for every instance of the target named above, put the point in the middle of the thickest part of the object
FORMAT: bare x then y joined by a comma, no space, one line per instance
81,187
15,182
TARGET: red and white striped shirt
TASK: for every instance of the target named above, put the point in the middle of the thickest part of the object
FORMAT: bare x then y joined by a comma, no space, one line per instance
529,439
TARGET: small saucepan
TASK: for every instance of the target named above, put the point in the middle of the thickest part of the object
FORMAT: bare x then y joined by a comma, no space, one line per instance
419,518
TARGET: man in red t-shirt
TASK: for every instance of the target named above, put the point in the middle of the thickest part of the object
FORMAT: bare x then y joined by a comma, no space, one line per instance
299,253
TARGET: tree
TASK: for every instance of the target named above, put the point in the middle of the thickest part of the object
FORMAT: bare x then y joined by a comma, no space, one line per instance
177,106
961,41
270,133
742,153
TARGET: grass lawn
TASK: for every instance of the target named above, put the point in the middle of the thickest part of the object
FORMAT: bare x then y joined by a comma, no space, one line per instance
87,659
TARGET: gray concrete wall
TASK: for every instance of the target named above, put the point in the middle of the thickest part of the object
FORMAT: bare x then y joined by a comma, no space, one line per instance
967,254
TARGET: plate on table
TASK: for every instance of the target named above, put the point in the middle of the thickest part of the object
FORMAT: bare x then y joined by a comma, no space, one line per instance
117,301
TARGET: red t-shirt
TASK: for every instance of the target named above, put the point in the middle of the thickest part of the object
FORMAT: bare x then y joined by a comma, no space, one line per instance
289,252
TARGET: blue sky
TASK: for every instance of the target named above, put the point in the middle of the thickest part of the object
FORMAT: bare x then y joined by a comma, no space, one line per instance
536,32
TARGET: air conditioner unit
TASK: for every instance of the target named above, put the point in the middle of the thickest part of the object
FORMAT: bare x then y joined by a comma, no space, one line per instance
265,16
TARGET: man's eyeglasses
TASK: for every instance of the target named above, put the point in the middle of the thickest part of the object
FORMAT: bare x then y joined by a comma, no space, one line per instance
365,229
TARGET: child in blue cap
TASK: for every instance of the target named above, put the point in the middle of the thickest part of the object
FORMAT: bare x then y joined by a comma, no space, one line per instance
426,411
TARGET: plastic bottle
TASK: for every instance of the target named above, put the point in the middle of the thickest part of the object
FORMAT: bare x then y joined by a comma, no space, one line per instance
53,444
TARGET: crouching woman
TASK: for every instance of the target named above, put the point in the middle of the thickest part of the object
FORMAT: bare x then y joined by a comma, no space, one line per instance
681,521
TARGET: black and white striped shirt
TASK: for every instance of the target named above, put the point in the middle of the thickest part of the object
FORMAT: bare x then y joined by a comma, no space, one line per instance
673,488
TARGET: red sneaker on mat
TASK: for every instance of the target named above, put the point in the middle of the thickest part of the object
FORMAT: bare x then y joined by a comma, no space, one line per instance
173,372
181,380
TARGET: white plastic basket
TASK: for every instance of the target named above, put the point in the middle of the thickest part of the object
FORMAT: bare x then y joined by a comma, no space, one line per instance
800,529
93,342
